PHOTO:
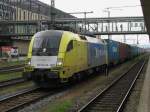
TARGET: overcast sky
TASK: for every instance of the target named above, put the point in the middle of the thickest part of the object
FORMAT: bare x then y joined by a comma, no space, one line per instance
98,6
120,8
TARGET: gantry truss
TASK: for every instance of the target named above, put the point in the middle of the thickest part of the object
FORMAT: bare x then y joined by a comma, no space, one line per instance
97,26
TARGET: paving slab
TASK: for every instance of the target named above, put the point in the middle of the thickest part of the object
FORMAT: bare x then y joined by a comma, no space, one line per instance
144,103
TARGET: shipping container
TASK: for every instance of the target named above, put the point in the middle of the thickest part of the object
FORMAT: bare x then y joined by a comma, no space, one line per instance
129,52
135,51
132,51
0,52
113,51
123,52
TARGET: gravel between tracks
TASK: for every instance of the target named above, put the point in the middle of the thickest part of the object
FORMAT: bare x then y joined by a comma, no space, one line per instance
12,89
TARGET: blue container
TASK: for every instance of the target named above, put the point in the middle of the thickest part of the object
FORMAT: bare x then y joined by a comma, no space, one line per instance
134,51
113,51
137,51
129,52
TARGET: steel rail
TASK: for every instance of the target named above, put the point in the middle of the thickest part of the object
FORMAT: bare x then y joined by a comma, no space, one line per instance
12,82
18,93
12,68
97,101
5,100
32,99
129,91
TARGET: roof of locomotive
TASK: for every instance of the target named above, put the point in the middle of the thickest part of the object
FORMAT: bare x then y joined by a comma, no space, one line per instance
78,37
48,32
94,40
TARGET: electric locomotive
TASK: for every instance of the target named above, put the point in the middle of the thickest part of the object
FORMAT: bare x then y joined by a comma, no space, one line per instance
57,56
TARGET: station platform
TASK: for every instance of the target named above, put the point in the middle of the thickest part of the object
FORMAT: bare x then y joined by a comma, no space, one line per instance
144,103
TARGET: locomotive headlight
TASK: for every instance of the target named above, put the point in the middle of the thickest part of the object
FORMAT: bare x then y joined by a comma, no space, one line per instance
29,62
59,62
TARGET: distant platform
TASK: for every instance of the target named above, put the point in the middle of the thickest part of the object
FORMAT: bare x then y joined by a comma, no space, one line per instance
144,103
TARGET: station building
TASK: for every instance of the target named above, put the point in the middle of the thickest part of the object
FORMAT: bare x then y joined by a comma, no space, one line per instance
24,10
7,12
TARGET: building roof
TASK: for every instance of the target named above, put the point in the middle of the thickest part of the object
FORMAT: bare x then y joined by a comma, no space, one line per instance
146,8
40,7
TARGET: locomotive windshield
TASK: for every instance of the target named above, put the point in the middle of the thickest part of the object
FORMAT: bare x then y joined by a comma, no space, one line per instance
46,43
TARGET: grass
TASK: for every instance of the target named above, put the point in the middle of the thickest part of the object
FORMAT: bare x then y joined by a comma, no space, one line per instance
8,76
61,106
11,63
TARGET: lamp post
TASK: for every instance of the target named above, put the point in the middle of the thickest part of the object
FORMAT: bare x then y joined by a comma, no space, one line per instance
137,39
52,13
107,10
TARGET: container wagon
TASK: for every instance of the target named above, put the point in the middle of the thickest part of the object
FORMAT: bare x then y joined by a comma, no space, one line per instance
113,51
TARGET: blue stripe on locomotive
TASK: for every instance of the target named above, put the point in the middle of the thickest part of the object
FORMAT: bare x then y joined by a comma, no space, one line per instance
113,51
96,54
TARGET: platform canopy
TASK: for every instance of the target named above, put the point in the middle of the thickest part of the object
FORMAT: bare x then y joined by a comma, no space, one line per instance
146,11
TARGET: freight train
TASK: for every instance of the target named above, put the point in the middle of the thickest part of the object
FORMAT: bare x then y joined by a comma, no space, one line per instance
57,56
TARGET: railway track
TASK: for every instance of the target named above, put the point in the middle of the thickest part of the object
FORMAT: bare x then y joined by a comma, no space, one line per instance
22,99
114,96
12,82
15,68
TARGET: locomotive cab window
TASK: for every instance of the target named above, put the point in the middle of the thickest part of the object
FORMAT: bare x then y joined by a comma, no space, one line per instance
46,43
70,46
